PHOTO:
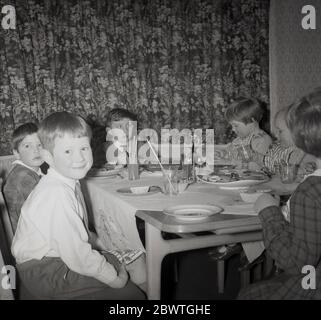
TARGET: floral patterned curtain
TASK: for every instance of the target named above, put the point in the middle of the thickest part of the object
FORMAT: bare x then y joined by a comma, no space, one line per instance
175,64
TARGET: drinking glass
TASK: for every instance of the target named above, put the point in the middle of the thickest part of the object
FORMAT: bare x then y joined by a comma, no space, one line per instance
244,153
170,187
288,172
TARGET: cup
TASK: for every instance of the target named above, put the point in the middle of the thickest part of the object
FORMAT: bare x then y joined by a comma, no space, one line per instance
288,172
170,187
133,171
188,172
244,154
183,180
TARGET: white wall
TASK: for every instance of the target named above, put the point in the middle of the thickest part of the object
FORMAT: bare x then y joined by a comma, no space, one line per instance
295,53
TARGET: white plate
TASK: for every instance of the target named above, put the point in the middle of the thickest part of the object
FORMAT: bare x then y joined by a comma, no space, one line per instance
127,191
194,212
234,188
152,174
239,183
102,173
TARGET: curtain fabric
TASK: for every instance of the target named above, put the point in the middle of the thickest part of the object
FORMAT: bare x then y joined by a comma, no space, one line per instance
176,64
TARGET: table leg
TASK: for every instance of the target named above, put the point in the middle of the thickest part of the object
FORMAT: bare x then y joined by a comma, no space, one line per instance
156,249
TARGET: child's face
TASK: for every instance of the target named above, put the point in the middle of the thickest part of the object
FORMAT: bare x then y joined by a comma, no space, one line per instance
121,124
241,129
282,132
125,126
29,151
71,157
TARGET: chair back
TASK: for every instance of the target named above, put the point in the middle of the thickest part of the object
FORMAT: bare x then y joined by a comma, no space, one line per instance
6,226
6,165
6,236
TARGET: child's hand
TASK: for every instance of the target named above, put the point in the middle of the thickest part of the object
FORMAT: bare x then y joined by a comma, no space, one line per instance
121,279
309,167
266,200
296,156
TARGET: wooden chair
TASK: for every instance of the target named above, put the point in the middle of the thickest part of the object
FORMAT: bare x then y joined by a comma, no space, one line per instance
6,237
221,265
258,270
8,230
5,165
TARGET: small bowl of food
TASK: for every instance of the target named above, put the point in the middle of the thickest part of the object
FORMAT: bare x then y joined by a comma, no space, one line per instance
139,190
251,195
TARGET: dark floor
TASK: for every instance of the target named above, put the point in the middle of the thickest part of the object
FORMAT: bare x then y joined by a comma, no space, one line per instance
197,277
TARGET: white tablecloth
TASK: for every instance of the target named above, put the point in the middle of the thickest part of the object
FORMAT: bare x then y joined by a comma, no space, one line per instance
114,213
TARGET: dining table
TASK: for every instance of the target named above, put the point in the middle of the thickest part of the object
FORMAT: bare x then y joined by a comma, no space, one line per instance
114,214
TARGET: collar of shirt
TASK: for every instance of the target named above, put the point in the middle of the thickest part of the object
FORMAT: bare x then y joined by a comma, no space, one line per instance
23,164
55,174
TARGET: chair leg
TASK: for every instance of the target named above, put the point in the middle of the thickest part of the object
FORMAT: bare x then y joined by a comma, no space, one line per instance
176,270
245,278
220,275
268,265
257,272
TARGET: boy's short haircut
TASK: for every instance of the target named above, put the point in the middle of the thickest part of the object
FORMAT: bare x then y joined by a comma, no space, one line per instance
59,124
304,121
118,114
244,110
21,132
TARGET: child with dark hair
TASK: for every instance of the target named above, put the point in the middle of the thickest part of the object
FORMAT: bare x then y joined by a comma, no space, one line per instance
294,243
122,116
119,124
244,114
26,172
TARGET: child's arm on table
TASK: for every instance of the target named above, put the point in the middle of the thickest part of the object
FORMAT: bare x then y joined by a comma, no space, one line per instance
296,156
264,201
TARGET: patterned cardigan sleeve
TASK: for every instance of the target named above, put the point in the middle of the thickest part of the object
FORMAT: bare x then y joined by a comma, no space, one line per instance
298,243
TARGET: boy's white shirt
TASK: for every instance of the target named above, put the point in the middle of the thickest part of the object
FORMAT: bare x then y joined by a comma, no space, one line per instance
39,172
48,227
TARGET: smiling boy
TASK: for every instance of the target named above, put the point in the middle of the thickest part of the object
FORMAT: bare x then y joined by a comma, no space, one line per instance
54,249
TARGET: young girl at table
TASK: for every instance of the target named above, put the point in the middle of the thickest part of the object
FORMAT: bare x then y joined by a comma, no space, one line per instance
244,115
26,171
250,145
57,255
295,243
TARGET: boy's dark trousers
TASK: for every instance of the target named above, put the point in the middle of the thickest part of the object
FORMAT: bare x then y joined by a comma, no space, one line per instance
50,278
